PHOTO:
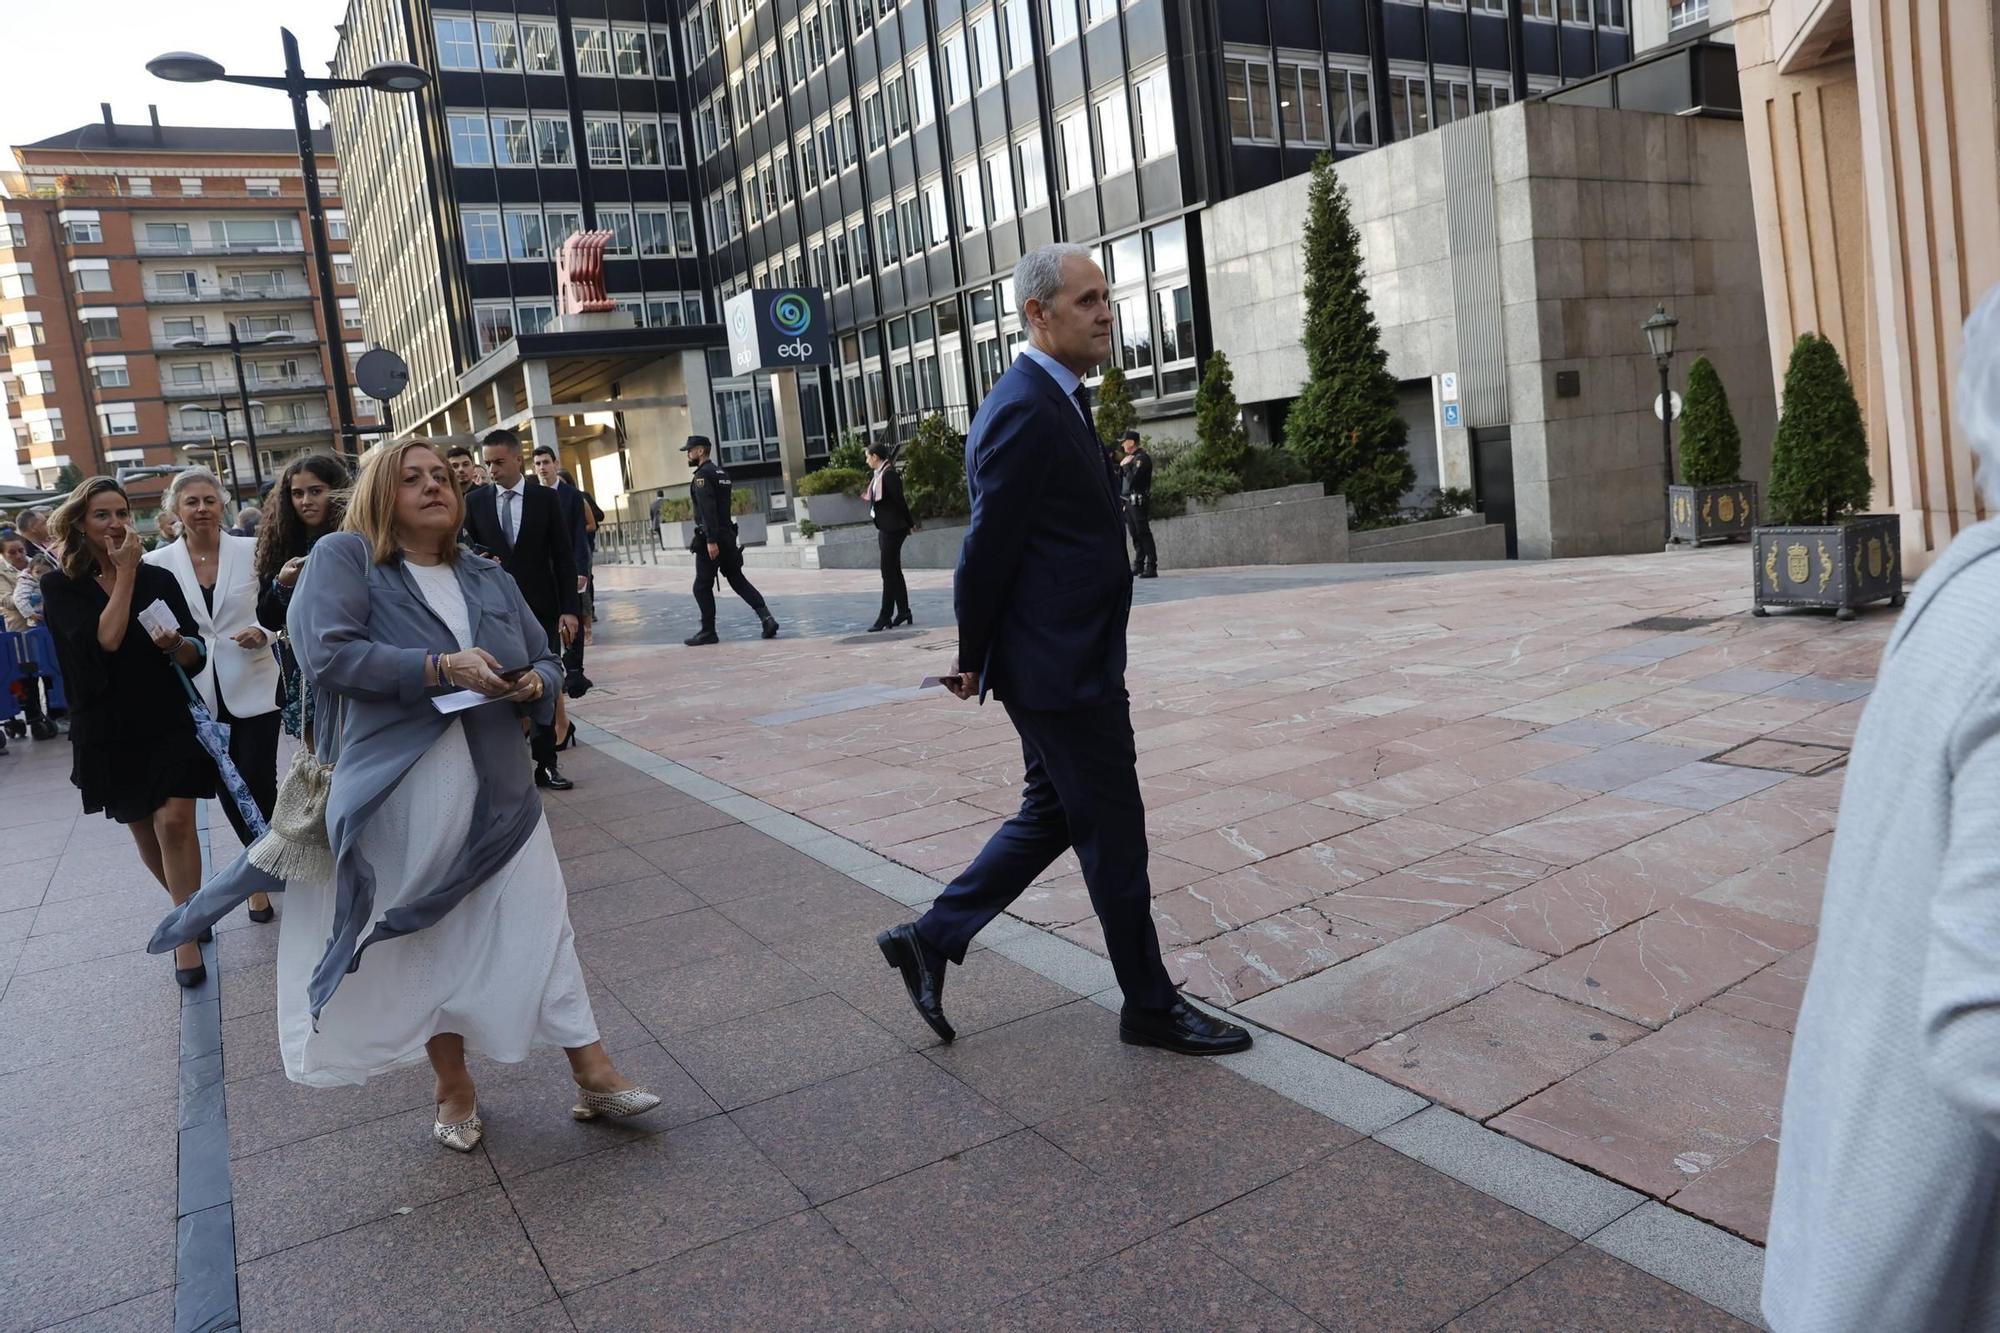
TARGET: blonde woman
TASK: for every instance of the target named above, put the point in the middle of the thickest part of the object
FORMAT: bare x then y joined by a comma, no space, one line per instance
446,900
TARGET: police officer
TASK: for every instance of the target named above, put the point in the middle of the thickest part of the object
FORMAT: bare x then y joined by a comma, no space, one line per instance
1135,471
714,546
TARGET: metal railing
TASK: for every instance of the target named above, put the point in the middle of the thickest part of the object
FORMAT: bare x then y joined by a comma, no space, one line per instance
273,384
274,429
269,344
629,542
192,247
218,293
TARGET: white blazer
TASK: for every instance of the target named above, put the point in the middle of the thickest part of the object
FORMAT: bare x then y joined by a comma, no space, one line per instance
249,676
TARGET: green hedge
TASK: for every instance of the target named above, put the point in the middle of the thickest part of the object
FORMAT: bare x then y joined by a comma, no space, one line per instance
834,481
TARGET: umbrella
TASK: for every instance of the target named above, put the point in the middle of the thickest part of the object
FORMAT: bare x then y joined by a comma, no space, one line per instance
214,738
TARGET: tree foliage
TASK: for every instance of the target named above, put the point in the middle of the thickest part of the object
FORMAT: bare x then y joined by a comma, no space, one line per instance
1179,475
1221,443
834,481
1345,427
1112,407
68,477
849,453
1711,447
1819,461
933,468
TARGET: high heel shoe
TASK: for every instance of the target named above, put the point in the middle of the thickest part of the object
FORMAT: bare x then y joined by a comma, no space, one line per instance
463,1136
260,915
569,738
878,627
190,977
612,1105
905,619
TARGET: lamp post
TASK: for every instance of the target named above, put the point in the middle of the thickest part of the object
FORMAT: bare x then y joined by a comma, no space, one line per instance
1659,330
391,77
235,345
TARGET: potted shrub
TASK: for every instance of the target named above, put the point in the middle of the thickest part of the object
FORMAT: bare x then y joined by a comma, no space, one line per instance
831,497
1712,503
1822,550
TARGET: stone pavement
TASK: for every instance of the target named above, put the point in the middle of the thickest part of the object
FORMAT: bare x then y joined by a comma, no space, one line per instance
821,1162
1541,842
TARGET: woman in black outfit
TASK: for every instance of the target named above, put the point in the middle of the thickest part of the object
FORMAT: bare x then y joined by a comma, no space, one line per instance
307,503
134,754
893,524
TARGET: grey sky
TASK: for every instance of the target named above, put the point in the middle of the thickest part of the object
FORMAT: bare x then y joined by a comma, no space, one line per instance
60,58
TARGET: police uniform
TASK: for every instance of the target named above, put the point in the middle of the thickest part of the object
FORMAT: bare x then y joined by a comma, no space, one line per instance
709,494
1136,484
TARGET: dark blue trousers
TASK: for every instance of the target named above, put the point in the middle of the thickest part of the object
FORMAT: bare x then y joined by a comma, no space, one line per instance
1082,792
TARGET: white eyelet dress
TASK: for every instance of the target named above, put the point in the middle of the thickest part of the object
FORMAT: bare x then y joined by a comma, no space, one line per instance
500,969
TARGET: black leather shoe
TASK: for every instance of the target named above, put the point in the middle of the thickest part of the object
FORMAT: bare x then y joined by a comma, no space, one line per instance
878,627
770,627
1150,574
554,781
261,915
923,979
44,731
190,977
1182,1028
905,619
704,636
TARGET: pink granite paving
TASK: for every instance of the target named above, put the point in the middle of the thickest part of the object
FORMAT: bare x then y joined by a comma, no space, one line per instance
1466,830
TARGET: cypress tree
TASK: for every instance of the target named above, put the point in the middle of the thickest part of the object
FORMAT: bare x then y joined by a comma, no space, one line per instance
1819,461
1112,406
1711,447
1345,427
1222,442
68,477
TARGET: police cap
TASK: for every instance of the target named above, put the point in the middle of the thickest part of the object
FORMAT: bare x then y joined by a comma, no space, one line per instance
697,442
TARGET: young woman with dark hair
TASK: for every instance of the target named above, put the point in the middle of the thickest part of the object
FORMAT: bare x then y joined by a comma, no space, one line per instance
306,504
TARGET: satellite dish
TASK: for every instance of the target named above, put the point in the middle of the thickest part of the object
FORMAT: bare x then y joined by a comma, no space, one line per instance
381,374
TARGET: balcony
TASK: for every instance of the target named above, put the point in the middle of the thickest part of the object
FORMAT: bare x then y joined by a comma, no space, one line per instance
273,384
219,293
192,247
270,342
276,428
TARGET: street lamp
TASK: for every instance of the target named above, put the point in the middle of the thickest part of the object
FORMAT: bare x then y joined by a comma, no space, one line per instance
1660,338
393,76
235,346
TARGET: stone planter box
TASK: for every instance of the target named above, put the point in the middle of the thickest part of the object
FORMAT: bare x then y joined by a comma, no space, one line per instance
832,511
1712,513
1838,566
751,530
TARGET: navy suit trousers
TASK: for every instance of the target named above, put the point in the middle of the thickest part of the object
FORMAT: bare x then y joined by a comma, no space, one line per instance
1082,792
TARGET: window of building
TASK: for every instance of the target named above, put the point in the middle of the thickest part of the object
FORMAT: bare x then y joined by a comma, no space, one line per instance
631,53
1542,11
732,203
957,77
1409,105
896,98
850,147
1114,133
343,271
1302,104
139,185
38,379
84,232
93,279
1252,108
937,224
985,51
1351,104
663,53
12,231
843,269
561,223
533,316
605,142
1034,172
670,141
175,282
999,182
656,233
524,235
683,217
873,117
1490,94
1686,13
28,333
457,47
552,145
99,326
261,189
499,45
1498,7
111,376
593,49
971,206
888,239
184,328
492,324
350,313
513,141
1073,151
336,225
910,223
469,145
120,420
1096,11
541,47
857,236
1061,15
923,103
1156,115
1014,22
642,143
624,241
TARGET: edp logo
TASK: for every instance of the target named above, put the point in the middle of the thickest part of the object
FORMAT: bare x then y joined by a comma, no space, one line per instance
791,315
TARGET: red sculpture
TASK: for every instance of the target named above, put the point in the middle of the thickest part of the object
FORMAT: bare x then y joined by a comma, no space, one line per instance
580,273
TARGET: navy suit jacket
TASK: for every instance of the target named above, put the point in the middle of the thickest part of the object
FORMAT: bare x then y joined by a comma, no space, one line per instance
1043,590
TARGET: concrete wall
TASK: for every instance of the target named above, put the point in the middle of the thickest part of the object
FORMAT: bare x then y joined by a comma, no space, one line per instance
1461,537
1600,216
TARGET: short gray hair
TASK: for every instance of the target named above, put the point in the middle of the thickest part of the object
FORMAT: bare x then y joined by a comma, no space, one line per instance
186,477
1039,275
39,514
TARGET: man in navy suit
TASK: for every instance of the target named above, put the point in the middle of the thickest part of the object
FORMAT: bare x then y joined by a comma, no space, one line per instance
1042,595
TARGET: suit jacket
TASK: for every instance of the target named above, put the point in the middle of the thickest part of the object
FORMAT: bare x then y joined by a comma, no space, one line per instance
892,512
246,677
571,500
541,557
1042,590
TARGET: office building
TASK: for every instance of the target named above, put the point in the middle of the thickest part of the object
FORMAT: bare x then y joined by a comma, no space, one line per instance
901,156
128,253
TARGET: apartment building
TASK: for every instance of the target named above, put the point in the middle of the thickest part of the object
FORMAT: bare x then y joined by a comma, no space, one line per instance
128,256
900,154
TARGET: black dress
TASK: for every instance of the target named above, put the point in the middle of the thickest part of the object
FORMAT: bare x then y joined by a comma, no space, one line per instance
132,739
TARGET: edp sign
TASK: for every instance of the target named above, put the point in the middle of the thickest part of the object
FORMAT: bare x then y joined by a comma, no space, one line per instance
781,328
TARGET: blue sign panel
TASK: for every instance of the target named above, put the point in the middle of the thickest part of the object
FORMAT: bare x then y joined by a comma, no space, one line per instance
1451,414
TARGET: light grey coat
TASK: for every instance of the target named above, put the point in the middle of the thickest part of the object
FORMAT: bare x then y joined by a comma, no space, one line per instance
1889,1157
361,632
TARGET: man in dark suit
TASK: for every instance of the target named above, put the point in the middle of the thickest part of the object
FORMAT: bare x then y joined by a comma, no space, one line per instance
1043,594
893,525
522,526
548,471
